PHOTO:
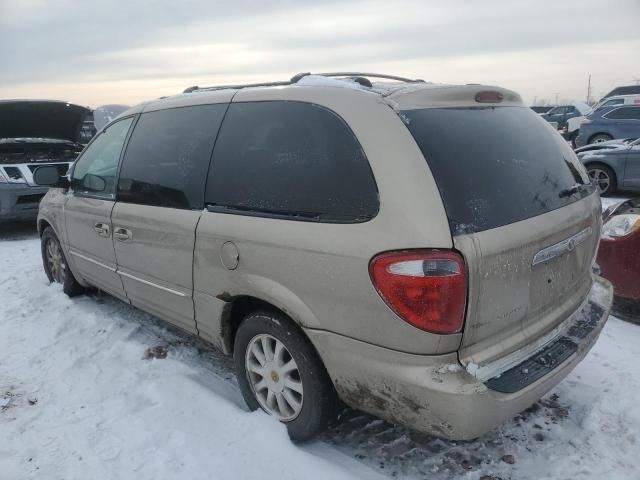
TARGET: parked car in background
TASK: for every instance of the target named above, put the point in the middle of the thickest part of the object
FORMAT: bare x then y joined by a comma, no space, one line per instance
617,100
88,130
34,133
619,256
541,109
624,90
613,165
424,290
104,114
610,123
572,129
558,116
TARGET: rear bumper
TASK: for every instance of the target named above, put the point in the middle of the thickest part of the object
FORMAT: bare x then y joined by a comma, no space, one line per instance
434,394
20,201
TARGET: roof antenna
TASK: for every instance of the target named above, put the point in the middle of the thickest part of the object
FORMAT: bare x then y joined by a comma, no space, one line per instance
191,89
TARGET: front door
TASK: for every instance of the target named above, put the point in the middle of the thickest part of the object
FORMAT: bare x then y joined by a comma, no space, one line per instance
87,210
632,167
160,197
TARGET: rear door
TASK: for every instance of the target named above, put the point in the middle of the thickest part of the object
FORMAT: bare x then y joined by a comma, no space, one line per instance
626,121
522,213
160,198
87,211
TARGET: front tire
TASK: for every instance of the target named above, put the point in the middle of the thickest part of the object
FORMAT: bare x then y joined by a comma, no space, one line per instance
55,264
280,372
603,177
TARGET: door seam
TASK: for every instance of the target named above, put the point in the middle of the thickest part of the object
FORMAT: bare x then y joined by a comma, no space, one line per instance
193,273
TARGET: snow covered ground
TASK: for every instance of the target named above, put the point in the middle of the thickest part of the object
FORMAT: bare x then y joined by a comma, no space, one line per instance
79,401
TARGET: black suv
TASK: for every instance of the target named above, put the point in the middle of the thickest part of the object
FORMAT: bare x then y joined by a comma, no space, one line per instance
34,133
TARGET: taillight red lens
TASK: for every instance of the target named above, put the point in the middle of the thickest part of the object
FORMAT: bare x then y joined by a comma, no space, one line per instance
426,288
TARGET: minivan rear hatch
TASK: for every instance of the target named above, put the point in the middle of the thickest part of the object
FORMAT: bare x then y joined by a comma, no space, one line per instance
523,214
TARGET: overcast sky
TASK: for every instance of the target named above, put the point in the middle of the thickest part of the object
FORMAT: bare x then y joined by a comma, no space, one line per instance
93,52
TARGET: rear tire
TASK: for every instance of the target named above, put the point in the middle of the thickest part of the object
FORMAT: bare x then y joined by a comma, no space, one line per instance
603,177
55,264
312,404
599,138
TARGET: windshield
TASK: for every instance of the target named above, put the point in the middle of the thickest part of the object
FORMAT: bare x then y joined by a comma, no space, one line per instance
496,166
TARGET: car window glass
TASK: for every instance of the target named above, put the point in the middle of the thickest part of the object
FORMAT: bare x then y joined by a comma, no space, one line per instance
291,159
509,165
95,171
167,158
625,113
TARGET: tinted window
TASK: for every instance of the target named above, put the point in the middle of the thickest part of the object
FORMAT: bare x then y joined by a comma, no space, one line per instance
495,166
293,159
609,103
624,113
95,171
168,155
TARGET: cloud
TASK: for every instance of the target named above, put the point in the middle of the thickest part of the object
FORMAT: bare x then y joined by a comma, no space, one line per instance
163,45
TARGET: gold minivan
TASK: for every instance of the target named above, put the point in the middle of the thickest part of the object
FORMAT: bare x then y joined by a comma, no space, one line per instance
420,252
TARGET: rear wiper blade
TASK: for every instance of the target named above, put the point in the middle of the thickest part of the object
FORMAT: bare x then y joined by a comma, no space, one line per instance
573,189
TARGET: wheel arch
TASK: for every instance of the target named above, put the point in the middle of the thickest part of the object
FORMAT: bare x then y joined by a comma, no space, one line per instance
238,307
42,224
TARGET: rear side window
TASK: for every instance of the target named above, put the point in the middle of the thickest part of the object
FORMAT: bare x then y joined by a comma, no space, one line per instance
291,159
496,166
167,158
624,113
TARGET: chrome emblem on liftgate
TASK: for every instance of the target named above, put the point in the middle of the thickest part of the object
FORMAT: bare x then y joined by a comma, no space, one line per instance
565,246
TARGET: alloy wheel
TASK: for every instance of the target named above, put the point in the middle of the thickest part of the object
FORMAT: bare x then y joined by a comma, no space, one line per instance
600,178
55,260
274,377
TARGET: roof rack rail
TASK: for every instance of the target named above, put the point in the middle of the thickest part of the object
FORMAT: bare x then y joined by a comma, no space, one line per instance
235,87
359,77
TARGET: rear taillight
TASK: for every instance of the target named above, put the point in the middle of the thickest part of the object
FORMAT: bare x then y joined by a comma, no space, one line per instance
426,288
586,121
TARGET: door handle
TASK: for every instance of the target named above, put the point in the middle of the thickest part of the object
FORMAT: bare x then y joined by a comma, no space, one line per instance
122,234
101,229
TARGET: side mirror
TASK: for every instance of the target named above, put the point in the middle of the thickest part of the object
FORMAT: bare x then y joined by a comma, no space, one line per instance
48,175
